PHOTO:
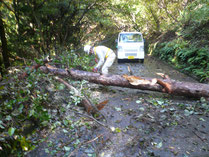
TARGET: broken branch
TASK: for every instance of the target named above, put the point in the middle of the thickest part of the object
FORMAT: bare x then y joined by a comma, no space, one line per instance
34,67
89,106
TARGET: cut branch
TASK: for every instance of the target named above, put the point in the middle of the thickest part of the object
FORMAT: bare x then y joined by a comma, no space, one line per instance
89,106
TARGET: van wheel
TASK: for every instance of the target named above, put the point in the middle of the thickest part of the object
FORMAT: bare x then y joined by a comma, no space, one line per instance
142,61
120,60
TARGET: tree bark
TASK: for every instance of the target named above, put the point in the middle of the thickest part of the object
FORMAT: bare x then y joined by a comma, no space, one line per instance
172,87
4,44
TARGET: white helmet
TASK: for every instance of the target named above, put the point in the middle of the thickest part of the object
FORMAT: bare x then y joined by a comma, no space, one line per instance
87,48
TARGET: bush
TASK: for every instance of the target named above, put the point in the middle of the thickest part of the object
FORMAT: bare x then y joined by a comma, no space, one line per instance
189,51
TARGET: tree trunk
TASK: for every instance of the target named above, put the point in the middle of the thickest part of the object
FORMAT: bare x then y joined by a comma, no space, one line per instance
159,85
155,19
1,70
16,12
4,44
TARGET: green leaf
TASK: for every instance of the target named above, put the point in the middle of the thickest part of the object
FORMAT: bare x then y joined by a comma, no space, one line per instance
138,101
1,87
24,143
31,112
117,108
65,122
160,102
117,130
67,148
11,131
47,151
201,119
20,108
44,123
8,118
65,131
1,126
61,87
188,113
202,100
159,145
141,109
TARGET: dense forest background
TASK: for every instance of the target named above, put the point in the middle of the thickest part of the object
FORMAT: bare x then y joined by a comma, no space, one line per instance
176,31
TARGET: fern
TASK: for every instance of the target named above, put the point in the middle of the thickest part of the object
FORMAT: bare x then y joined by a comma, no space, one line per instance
188,57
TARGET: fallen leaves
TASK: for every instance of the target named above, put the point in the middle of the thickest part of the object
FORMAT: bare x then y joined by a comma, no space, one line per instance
173,150
118,109
101,105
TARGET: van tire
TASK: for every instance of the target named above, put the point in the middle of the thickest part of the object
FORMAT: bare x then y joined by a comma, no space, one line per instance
142,60
120,60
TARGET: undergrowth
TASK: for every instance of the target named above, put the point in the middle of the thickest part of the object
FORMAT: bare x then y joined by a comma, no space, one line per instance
189,51
187,57
26,104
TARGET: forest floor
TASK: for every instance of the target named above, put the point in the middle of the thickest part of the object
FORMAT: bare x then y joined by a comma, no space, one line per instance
141,123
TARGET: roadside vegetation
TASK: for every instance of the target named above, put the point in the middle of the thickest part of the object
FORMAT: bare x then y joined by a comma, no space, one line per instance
186,46
176,32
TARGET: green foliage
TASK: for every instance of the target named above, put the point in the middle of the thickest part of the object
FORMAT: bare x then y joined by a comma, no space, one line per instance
34,28
195,23
75,59
21,101
148,16
188,57
27,101
189,51
196,12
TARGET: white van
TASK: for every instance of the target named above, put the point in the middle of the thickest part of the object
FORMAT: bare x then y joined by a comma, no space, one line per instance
130,46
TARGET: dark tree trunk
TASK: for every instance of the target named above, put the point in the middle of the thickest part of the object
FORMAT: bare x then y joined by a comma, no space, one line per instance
17,16
159,85
4,44
1,70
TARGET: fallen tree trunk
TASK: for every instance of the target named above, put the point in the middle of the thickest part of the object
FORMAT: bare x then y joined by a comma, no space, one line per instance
159,85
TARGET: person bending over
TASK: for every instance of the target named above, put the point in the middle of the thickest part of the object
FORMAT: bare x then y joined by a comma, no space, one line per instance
104,57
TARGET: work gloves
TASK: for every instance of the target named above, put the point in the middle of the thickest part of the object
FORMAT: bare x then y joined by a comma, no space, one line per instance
95,70
96,60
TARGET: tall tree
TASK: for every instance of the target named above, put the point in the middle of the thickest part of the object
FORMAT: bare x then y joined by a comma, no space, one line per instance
4,43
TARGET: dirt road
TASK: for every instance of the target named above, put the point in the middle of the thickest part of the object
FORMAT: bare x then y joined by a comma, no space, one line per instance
142,123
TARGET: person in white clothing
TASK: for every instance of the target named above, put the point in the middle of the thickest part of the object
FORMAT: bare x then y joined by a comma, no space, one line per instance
105,55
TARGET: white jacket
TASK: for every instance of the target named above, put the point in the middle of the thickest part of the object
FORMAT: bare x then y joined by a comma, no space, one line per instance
102,53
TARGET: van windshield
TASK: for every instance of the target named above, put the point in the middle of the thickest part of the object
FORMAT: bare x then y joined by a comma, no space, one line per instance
130,37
